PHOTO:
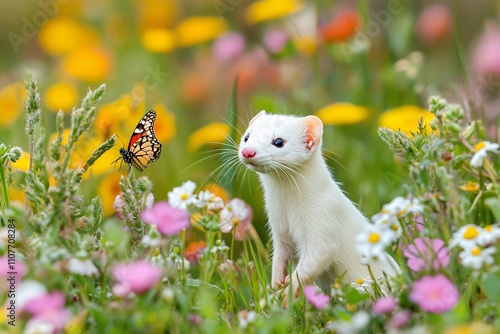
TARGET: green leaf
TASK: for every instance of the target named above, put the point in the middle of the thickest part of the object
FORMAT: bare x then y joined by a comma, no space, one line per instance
353,296
491,286
494,204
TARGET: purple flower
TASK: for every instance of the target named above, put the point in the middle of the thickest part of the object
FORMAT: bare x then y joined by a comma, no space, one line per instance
435,294
385,305
137,277
236,214
168,220
275,40
317,299
426,252
228,46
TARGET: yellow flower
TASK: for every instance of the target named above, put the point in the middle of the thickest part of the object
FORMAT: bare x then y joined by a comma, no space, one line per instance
209,134
16,195
158,40
266,10
154,14
404,118
165,123
23,163
11,103
306,45
475,327
470,186
199,29
62,35
108,189
342,113
61,95
90,64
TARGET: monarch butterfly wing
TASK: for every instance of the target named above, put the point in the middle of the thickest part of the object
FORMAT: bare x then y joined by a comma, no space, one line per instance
145,150
144,147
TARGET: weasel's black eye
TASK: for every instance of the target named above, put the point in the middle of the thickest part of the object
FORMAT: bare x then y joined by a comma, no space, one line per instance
278,142
246,137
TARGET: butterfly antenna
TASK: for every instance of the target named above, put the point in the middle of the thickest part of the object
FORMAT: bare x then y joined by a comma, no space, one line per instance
120,139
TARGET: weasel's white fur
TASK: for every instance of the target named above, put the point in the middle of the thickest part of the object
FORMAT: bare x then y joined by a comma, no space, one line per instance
311,220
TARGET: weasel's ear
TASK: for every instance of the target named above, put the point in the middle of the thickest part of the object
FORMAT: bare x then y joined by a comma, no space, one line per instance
262,112
314,128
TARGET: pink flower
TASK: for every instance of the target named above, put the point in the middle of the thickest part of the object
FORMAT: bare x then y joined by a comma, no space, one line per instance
46,302
426,252
14,266
137,277
275,40
399,319
384,305
434,24
228,46
434,294
485,60
236,214
168,220
48,312
317,299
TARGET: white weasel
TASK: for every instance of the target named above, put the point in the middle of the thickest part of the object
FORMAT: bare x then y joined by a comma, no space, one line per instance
311,220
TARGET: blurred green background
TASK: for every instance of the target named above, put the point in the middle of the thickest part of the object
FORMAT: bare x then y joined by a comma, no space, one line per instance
356,64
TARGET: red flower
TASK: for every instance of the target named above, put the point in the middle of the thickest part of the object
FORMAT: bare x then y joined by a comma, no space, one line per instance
342,28
193,251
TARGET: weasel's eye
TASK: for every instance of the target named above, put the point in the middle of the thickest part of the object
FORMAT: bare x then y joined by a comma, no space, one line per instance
246,137
278,142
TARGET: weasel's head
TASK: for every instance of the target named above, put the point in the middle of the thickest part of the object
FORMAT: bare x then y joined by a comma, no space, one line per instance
278,142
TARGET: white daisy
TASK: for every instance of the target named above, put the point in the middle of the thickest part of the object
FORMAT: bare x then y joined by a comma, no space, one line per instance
181,197
203,198
84,267
477,257
357,323
467,236
152,239
246,317
482,150
216,204
390,224
490,234
372,242
363,284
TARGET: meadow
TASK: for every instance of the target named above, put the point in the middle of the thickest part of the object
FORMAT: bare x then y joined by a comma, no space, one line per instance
408,93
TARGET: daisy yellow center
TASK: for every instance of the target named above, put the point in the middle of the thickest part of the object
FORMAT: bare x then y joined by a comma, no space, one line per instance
360,281
184,197
488,228
374,238
476,251
235,221
470,186
394,227
479,146
470,233
402,212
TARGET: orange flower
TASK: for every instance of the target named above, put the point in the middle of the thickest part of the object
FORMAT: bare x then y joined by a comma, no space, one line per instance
156,14
341,28
90,64
404,118
199,29
193,251
208,135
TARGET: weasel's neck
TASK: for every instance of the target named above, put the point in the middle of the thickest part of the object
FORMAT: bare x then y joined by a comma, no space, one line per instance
311,175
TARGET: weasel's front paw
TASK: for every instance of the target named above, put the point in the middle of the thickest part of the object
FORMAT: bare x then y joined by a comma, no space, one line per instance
278,283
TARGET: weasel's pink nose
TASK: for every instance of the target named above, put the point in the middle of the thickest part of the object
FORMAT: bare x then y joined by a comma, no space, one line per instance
248,153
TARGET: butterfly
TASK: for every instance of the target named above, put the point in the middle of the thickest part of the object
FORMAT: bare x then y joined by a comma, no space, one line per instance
143,146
